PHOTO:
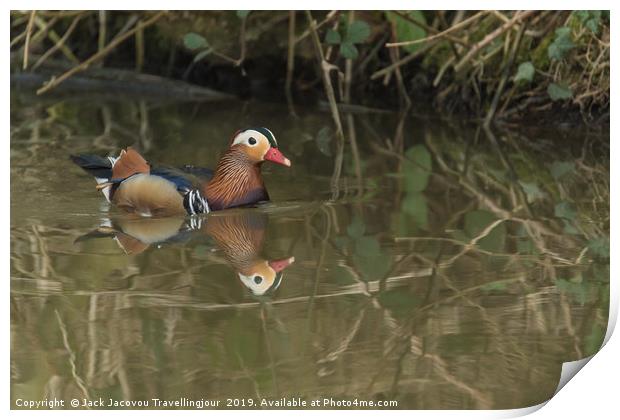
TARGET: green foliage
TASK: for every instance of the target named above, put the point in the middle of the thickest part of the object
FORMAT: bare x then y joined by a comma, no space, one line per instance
348,51
367,255
416,206
562,44
565,210
560,169
194,41
417,168
591,19
525,72
599,247
594,340
333,37
367,246
559,92
242,14
408,31
532,191
399,301
476,221
577,289
356,229
355,33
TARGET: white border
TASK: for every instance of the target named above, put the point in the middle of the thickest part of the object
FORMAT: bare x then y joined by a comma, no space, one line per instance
593,394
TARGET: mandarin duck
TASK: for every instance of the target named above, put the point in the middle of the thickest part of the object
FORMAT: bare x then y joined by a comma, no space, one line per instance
239,235
132,184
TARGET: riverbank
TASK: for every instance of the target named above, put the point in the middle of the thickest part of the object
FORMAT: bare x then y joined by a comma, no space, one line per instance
505,67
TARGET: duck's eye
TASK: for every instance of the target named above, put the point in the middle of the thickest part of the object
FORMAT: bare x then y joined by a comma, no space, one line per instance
258,279
252,141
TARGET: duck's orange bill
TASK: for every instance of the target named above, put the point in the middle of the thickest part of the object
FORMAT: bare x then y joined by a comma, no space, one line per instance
279,265
274,155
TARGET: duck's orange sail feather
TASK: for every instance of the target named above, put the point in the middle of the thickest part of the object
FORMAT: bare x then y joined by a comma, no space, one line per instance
130,163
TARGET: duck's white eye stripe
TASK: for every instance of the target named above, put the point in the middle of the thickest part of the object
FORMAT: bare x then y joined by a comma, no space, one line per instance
245,136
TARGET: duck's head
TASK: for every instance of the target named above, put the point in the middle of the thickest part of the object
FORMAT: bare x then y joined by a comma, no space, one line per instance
264,276
258,145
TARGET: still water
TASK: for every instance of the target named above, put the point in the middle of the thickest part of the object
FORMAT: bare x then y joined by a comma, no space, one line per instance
444,267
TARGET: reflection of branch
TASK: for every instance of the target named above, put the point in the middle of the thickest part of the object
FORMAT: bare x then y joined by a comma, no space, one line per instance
344,344
65,340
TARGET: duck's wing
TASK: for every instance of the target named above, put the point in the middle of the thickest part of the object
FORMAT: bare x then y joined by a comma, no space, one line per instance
204,174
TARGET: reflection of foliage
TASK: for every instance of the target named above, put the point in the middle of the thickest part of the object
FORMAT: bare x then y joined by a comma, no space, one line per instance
483,280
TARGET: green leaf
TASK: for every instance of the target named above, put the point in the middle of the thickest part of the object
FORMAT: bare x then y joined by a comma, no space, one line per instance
594,340
367,246
599,247
559,169
193,41
525,72
532,191
323,139
558,92
357,32
417,168
577,289
477,221
202,54
332,37
565,210
561,45
348,50
591,19
242,14
400,301
408,31
416,206
356,229
342,276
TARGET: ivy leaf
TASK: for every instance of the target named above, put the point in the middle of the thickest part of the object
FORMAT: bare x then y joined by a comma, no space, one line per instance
408,31
525,72
559,92
357,32
242,14
532,191
332,37
599,247
401,302
356,229
193,41
561,45
565,210
415,205
367,246
348,50
559,169
417,168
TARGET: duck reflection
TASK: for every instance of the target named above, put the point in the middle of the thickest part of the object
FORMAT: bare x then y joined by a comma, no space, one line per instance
238,234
